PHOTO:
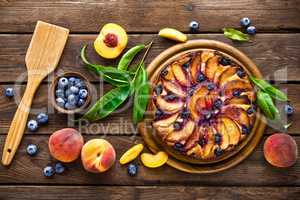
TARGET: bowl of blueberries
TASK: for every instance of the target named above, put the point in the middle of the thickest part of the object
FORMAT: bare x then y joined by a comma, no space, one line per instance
71,93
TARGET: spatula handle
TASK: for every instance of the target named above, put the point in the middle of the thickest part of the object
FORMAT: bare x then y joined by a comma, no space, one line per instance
18,124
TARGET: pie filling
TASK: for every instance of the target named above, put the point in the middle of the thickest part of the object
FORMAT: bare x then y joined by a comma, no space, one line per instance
203,104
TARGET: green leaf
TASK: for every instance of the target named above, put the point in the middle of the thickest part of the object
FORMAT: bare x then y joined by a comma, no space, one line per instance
129,56
265,102
109,74
141,96
268,88
234,34
108,103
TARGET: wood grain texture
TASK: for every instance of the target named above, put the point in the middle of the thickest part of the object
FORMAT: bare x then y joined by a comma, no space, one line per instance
147,192
119,123
254,171
149,16
276,55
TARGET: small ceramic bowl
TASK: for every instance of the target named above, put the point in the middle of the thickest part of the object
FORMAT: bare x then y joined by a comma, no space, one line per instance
53,96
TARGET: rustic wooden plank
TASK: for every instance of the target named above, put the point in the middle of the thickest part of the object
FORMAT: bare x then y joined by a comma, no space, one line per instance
277,55
147,192
139,16
119,123
254,171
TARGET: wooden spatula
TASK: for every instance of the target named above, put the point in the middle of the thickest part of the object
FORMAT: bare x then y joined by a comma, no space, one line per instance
42,57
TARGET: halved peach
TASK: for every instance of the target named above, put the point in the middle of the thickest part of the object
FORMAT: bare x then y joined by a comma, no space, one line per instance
182,134
195,67
237,114
211,67
232,130
174,87
180,74
169,107
154,161
111,41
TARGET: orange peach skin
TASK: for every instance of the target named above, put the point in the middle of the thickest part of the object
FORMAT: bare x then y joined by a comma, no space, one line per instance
280,150
65,144
98,155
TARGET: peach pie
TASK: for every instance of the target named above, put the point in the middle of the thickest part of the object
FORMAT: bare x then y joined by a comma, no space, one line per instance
203,104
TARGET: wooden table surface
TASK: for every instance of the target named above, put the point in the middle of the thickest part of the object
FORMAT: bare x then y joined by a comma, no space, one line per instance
275,49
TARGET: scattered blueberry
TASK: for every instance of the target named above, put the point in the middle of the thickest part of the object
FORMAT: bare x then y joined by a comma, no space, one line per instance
9,92
80,102
210,86
218,138
194,26
218,151
83,93
63,82
245,129
177,126
178,146
132,169
32,125
250,110
236,93
42,118
185,113
170,97
60,102
241,73
60,93
245,22
288,109
201,77
158,89
59,168
48,171
224,61
32,149
218,103
251,30
74,89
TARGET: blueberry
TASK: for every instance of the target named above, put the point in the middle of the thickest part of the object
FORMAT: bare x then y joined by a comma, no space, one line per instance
210,86
224,61
48,171
250,110
60,102
178,146
132,169
236,93
59,168
202,142
245,22
194,26
170,97
164,72
42,118
72,81
241,73
32,149
83,93
63,82
185,113
68,92
288,109
177,126
218,151
80,85
32,125
208,115
201,77
186,65
72,99
158,89
218,103
251,30
218,138
245,129
80,102
60,93
158,113
74,89
69,106
9,92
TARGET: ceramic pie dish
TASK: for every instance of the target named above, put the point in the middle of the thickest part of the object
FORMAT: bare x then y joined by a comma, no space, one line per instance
201,110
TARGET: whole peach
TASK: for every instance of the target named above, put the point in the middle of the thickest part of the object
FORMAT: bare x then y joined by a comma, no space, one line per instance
280,150
65,144
98,155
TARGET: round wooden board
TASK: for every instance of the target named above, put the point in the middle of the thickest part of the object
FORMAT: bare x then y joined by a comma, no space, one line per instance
258,130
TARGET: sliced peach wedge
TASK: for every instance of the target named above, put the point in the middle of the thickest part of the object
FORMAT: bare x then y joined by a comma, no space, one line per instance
236,85
221,129
154,161
194,138
237,114
165,126
232,130
211,67
197,100
174,87
131,154
208,147
168,106
206,55
195,67
183,134
180,74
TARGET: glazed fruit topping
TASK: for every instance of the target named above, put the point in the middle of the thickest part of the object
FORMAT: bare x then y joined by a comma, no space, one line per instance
111,40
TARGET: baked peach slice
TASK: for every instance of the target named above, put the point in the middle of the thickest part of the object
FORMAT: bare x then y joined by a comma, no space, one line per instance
206,55
237,114
236,85
240,102
221,129
154,161
193,140
195,67
183,134
174,87
166,122
211,67
227,76
197,151
169,107
219,71
197,100
167,74
180,74
232,130
111,41
208,151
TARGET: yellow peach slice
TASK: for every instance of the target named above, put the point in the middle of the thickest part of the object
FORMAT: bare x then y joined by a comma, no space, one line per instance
173,34
111,41
154,161
131,154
